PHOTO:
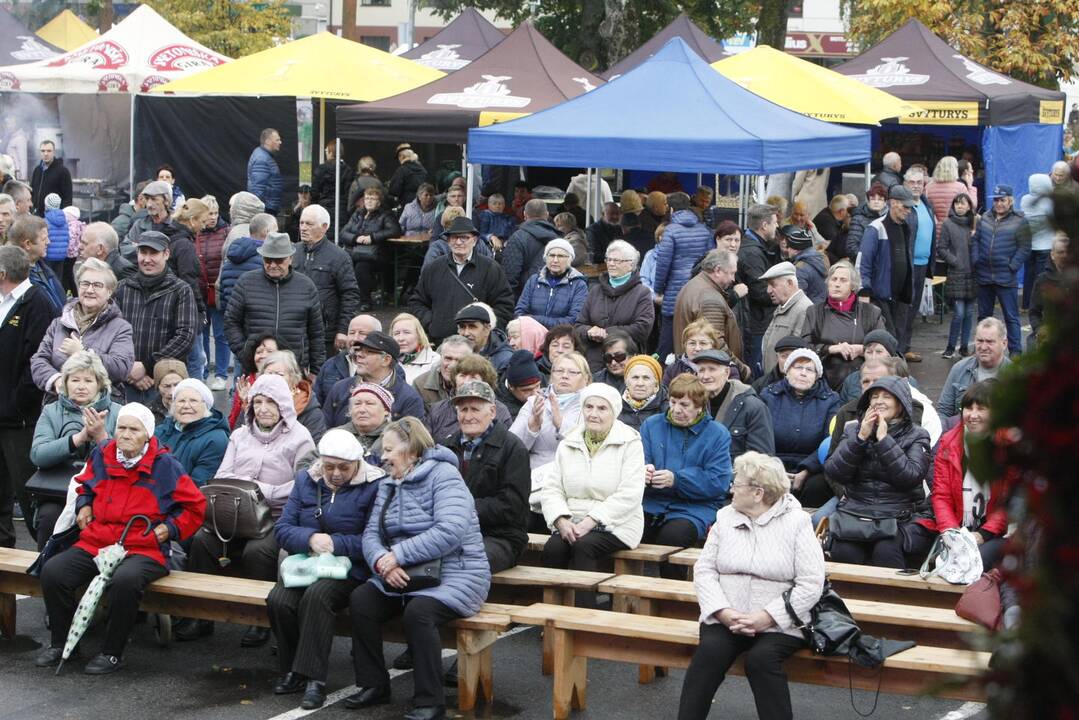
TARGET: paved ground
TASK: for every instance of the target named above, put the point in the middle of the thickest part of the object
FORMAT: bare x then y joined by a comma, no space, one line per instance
216,678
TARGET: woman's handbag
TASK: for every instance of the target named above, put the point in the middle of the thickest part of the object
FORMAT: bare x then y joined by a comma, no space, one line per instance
857,524
55,545
955,557
52,483
364,253
236,510
421,576
831,629
980,602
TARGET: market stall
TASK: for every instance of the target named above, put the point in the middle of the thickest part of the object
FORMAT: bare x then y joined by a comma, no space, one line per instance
466,38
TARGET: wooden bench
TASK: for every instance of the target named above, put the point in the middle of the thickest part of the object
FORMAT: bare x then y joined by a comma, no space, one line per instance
578,634
626,562
865,582
237,600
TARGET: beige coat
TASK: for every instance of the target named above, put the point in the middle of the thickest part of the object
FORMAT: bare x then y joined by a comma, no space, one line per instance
702,298
788,319
607,487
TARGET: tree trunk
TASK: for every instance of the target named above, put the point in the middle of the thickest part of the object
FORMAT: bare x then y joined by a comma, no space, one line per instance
104,17
348,20
772,24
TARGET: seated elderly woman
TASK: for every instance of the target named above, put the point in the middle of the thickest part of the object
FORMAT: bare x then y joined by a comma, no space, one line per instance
959,498
555,294
801,405
167,375
89,322
270,448
617,348
442,420
194,432
591,498
369,410
618,301
326,514
687,470
644,396
417,355
170,500
82,417
423,515
760,546
881,462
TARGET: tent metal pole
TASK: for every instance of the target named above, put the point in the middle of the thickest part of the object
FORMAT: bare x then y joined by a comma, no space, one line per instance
868,178
717,186
760,188
470,181
464,159
588,198
131,152
699,180
336,190
599,196
321,131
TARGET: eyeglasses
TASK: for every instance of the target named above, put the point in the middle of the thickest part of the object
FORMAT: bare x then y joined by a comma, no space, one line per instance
566,371
558,256
744,485
616,357
699,344
88,284
275,261
616,261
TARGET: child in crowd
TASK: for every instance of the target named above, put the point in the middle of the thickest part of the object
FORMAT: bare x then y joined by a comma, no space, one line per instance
496,225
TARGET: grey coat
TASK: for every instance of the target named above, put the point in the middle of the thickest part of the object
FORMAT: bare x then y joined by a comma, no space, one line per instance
954,249
747,419
109,336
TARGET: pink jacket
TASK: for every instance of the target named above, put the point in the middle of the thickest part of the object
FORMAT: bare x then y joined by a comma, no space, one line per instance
941,194
74,231
272,459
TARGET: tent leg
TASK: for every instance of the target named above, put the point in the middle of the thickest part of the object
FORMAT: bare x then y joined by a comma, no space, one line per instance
336,190
131,152
588,198
868,177
464,159
321,131
470,183
760,188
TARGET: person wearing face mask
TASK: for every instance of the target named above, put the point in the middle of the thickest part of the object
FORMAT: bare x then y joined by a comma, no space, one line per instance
881,462
617,348
555,294
194,432
735,405
644,395
875,205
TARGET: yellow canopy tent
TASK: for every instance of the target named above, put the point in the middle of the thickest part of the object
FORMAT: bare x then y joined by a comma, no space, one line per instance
810,89
67,31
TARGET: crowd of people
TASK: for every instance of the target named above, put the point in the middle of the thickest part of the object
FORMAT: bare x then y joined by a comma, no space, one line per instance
705,379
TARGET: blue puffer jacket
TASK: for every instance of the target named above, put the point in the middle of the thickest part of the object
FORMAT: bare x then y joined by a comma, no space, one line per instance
799,424
432,515
333,370
700,458
58,235
242,256
199,447
345,514
685,241
999,248
810,268
553,304
264,179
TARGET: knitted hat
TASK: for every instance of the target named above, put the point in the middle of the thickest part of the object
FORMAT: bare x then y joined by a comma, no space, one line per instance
52,201
806,353
340,444
166,367
561,244
606,393
141,413
198,386
383,395
648,361
882,337
522,370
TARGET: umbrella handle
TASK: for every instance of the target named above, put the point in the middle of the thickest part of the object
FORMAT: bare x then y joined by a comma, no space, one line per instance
149,526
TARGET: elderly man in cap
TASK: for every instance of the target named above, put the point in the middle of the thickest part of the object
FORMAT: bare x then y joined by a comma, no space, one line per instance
791,304
735,404
156,197
887,260
450,282
99,240
999,248
162,311
375,358
278,300
476,323
494,464
809,265
341,365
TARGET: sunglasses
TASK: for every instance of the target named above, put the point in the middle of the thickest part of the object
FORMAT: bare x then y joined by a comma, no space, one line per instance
614,357
275,261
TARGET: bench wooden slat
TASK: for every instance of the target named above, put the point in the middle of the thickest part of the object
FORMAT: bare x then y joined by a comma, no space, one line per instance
550,577
646,553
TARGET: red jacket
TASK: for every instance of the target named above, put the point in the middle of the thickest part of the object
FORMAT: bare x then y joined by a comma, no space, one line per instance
157,487
208,247
948,474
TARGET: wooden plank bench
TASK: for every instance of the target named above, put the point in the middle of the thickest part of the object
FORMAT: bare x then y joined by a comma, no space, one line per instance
865,582
626,562
238,600
579,634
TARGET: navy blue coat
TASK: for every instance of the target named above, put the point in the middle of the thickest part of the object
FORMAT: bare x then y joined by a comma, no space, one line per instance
333,370
799,424
242,255
685,241
199,447
999,248
553,304
264,179
406,401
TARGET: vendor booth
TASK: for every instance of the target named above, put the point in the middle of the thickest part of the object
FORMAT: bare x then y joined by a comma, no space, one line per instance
466,38
67,31
681,27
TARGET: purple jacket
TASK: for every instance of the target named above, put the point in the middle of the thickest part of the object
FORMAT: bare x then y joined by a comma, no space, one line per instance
109,336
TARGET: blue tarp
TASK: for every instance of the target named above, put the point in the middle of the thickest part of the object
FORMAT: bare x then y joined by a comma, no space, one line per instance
672,112
1012,153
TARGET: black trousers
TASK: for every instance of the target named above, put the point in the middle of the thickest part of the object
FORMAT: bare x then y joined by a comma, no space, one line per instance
67,572
48,512
421,617
15,470
764,656
677,533
257,559
302,620
500,554
585,554
907,549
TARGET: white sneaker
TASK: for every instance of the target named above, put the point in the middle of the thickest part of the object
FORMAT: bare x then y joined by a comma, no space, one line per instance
219,383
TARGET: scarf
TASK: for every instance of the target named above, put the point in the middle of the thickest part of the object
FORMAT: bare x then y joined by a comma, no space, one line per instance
619,281
149,283
564,399
83,319
592,441
696,420
843,305
408,357
637,405
131,462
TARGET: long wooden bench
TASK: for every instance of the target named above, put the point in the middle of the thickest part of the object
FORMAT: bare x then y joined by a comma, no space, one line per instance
241,601
578,634
626,562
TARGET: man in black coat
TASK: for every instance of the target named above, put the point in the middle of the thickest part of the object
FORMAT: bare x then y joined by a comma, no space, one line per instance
25,314
757,253
279,300
449,282
50,176
523,254
494,464
603,231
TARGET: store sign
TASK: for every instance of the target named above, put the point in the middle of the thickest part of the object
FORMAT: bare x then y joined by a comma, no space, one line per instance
942,113
816,44
1051,112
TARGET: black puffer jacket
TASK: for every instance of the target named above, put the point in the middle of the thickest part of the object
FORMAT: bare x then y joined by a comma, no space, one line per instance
825,326
754,258
523,255
184,262
330,268
380,224
884,474
288,308
404,183
859,219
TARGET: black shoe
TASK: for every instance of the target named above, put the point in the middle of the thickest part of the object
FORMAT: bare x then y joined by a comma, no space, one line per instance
368,696
403,661
289,683
948,354
431,712
314,695
449,678
50,656
255,636
193,629
103,665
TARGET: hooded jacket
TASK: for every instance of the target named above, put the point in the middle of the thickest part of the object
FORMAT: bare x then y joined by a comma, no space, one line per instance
860,218
330,269
685,240
109,335
799,424
60,420
523,254
552,301
747,419
1000,248
700,458
810,269
271,458
243,206
825,326
432,515
954,248
199,447
264,179
56,223
241,257
628,308
1037,207
886,474
344,514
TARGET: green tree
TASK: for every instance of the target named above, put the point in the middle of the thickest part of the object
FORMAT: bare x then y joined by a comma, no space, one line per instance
1033,40
231,27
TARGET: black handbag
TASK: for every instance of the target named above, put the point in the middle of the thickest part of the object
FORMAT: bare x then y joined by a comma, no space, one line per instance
55,545
831,629
364,253
52,483
236,510
860,524
421,576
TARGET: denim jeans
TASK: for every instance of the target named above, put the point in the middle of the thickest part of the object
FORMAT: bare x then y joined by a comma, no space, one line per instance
196,361
1034,267
988,295
962,319
905,326
222,354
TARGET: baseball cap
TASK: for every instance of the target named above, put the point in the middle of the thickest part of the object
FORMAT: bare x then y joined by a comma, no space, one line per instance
380,342
153,239
475,389
1000,191
898,192
720,357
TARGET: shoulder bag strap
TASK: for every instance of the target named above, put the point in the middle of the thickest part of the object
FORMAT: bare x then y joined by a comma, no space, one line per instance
457,277
382,534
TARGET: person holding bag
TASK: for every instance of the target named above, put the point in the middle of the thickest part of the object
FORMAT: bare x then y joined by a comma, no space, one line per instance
423,541
881,462
325,515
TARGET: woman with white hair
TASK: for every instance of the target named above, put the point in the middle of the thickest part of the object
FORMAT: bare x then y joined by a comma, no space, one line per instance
417,355
555,294
194,431
759,548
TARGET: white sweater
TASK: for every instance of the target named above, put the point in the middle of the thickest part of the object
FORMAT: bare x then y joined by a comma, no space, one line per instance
760,560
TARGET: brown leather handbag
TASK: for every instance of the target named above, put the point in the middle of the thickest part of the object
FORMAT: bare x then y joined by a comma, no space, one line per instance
980,602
